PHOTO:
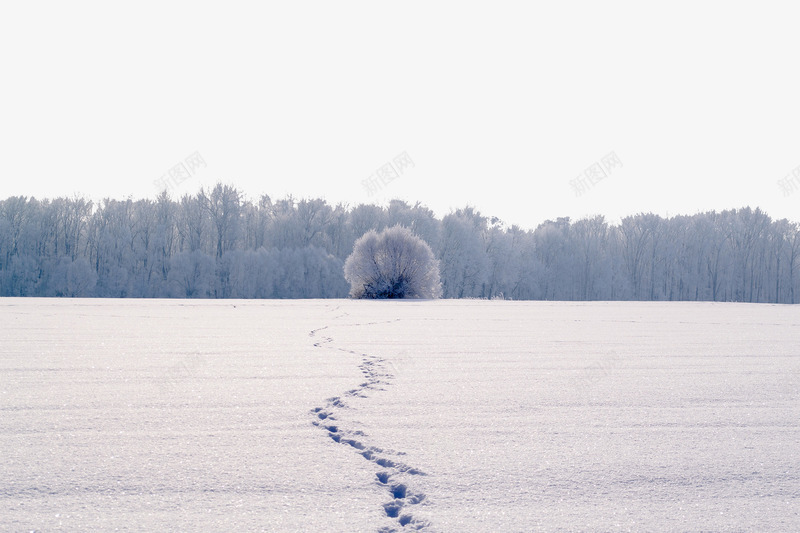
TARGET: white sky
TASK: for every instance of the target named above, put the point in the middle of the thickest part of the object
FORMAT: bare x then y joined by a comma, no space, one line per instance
499,106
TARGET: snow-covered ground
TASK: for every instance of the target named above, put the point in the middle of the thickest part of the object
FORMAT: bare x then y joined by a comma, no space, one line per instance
449,416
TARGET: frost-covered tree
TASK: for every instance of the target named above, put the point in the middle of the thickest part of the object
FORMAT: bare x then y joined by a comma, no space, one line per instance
191,275
465,265
295,249
74,279
222,207
392,264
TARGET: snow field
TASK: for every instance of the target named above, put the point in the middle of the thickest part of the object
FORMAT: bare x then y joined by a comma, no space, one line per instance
339,415
588,416
170,416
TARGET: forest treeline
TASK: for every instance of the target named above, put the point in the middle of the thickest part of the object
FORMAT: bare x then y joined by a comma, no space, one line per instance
217,244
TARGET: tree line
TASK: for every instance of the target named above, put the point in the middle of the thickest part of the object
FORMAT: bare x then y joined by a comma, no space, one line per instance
218,244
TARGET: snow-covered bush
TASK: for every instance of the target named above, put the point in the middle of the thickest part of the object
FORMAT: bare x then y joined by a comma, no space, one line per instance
392,264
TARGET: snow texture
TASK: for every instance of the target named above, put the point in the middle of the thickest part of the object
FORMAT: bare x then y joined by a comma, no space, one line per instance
351,416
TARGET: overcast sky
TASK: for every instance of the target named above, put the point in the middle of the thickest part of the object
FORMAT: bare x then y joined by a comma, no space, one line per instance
499,106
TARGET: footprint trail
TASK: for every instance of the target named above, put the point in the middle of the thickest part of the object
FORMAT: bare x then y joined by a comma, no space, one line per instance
392,474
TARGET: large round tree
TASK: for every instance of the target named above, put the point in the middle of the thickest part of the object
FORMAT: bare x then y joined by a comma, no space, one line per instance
392,264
